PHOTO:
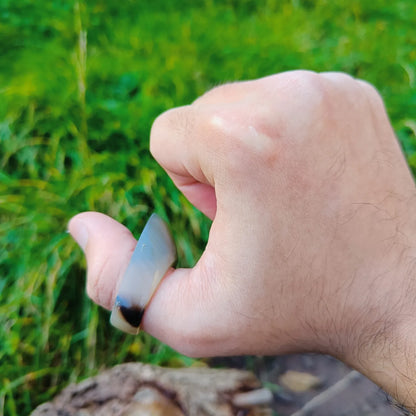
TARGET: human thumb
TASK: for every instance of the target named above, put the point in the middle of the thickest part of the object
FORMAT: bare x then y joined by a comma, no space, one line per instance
185,310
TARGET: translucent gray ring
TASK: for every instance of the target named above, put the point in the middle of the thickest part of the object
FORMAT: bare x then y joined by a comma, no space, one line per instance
154,254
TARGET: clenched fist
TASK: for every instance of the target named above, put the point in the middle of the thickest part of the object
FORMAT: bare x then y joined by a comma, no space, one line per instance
313,240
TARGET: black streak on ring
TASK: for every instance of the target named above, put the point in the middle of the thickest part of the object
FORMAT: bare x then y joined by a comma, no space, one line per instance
132,315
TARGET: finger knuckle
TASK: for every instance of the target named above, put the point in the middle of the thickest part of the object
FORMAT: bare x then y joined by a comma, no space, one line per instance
244,139
309,94
306,82
371,93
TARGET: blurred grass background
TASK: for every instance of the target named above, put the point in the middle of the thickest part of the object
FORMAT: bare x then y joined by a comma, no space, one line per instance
80,85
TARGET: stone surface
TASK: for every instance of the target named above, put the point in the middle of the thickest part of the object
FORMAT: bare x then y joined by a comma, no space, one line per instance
299,381
137,389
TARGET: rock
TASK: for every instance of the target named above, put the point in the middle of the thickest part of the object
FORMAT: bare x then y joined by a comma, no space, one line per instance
137,389
151,402
298,381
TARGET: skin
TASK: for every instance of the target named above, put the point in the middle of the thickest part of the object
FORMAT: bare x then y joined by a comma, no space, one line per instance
312,245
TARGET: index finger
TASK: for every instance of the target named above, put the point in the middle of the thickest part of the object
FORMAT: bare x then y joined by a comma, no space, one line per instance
186,159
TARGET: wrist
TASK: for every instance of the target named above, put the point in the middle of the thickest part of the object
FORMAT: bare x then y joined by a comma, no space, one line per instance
385,343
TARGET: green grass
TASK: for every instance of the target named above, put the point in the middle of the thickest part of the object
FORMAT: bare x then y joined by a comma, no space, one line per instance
79,88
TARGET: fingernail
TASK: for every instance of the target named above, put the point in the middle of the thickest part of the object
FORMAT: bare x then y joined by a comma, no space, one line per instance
79,232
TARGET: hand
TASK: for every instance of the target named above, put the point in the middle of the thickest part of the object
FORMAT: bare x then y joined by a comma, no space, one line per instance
313,230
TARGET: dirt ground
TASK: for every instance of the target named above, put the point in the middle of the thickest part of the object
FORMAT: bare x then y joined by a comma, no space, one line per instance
341,391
